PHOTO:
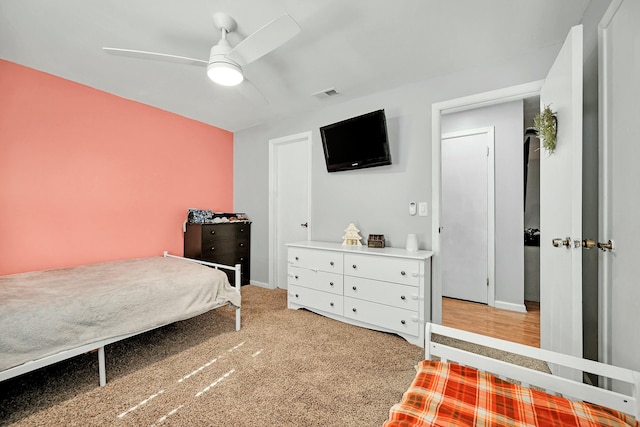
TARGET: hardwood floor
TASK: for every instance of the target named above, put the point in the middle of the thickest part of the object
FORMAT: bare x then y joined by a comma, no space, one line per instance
523,328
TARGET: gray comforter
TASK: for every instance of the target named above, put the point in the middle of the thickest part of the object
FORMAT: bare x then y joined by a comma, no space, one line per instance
45,312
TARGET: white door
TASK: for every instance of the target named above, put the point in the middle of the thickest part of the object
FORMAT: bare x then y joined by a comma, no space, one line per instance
467,214
289,200
619,194
561,205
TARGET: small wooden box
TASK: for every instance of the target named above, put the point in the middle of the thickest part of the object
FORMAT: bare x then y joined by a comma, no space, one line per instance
375,241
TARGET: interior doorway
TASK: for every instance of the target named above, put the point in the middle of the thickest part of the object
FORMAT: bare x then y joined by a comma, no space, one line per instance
504,277
289,200
524,327
514,93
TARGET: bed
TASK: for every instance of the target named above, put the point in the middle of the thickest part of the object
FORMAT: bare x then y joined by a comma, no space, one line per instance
53,315
468,389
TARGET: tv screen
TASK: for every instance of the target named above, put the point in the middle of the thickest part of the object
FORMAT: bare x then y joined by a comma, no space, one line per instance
355,143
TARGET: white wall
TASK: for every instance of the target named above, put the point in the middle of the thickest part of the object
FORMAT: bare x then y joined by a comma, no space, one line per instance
409,178
507,119
375,199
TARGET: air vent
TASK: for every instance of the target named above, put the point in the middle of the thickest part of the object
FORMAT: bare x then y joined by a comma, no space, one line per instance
327,93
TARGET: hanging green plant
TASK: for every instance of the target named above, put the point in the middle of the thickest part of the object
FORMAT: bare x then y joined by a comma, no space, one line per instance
546,124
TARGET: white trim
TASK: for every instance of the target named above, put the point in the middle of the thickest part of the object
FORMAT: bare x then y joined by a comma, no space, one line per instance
260,284
604,186
491,203
520,308
303,137
499,96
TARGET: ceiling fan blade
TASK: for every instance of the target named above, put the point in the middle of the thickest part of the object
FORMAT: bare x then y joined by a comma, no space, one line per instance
252,93
264,40
155,56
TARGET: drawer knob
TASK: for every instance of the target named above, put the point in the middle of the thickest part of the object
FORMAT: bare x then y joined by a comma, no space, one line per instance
331,304
295,276
355,266
242,245
213,248
331,263
242,230
297,259
213,231
330,283
354,288
403,273
354,309
297,295
403,322
403,297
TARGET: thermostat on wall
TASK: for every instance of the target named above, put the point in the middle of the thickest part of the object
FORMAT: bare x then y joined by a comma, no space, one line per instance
412,208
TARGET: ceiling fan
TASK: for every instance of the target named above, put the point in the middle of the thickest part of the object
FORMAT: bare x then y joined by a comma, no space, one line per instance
225,63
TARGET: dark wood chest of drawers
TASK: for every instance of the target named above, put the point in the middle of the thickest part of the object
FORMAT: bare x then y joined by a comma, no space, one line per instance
225,243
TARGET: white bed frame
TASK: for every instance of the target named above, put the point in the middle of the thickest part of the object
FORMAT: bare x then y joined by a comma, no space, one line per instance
621,401
99,345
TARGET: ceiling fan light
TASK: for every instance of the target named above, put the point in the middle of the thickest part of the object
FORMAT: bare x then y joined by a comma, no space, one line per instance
224,73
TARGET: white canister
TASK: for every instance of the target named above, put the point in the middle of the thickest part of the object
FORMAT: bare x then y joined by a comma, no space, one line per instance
412,242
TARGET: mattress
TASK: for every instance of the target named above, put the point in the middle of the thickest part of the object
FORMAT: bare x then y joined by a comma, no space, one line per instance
448,394
43,313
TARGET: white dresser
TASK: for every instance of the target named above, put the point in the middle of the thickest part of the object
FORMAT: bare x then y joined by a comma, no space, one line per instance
386,289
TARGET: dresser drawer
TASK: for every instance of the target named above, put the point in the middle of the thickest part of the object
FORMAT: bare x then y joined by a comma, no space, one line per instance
389,269
316,259
319,280
311,298
401,296
220,249
393,318
227,257
213,232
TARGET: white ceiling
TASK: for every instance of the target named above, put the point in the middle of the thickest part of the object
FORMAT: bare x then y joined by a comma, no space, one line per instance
357,46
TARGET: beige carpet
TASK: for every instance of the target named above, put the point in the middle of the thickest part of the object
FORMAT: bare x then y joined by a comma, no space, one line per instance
284,368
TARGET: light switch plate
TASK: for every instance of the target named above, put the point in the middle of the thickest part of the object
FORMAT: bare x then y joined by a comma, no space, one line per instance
412,208
423,209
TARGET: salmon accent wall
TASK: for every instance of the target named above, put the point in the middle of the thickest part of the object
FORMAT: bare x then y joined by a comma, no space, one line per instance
86,176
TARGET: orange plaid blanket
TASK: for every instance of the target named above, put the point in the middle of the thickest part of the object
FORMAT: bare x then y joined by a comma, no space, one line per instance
447,394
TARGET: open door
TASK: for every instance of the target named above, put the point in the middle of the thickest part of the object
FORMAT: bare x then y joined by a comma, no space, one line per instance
561,206
619,196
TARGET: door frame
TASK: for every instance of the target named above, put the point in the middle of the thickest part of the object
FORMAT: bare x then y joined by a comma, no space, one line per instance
499,96
489,131
274,145
605,225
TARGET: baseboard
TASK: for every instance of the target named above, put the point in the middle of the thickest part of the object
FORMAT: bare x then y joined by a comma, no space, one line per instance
520,308
260,284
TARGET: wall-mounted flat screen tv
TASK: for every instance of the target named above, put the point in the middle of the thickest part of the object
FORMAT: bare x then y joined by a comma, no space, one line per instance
356,143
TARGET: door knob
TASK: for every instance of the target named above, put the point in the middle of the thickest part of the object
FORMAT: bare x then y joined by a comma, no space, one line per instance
590,244
609,246
306,224
566,242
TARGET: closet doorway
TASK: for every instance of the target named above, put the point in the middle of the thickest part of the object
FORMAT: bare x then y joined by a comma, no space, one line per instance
289,200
